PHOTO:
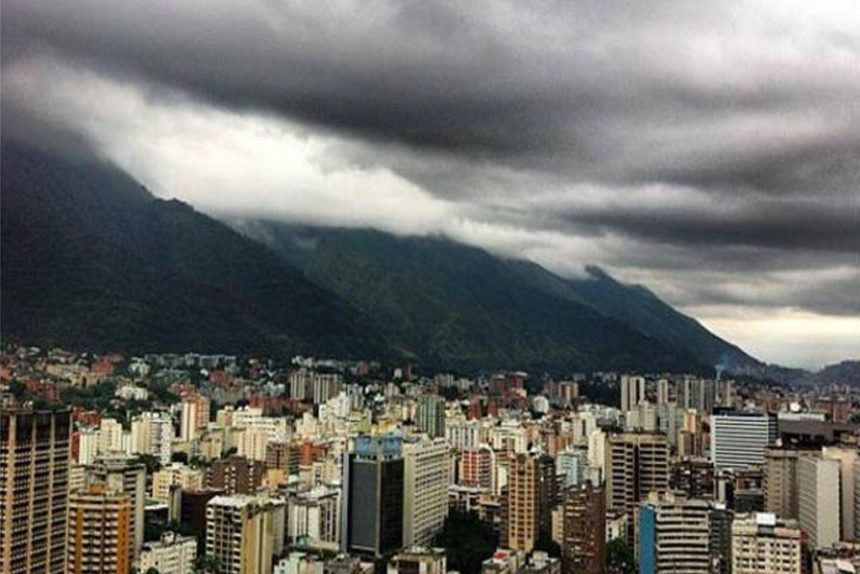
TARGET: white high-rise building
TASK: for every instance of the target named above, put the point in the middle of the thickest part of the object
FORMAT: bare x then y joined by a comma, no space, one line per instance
313,518
88,445
739,440
111,439
152,433
632,392
425,490
818,500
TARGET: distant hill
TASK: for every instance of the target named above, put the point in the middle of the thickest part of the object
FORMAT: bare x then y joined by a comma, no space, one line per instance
443,299
91,260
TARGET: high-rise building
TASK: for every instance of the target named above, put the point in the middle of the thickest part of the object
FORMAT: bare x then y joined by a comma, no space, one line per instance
425,490
172,554
122,473
637,464
739,439
696,394
112,437
194,415
721,537
100,531
152,433
763,543
662,392
430,415
632,391
570,467
235,475
779,481
818,500
313,518
34,482
240,533
175,474
674,535
531,493
477,467
373,496
583,546
847,457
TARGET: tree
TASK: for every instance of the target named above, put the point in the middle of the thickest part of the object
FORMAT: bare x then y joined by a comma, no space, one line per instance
206,565
619,560
468,540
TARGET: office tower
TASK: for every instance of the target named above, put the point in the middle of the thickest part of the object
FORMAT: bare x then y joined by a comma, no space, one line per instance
477,467
235,475
430,415
34,482
632,391
674,535
194,415
152,433
762,543
373,495
725,393
425,490
531,494
122,473
847,457
583,546
418,561
172,554
739,439
818,500
240,533
570,466
100,531
636,465
313,518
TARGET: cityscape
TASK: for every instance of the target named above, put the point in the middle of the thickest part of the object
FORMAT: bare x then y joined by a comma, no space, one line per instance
182,463
429,287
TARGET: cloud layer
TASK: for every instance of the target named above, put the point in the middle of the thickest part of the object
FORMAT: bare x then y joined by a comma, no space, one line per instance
709,151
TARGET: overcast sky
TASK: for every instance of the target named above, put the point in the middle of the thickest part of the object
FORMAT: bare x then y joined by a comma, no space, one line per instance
710,151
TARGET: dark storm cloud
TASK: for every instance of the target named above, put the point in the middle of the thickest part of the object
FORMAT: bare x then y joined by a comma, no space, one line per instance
541,117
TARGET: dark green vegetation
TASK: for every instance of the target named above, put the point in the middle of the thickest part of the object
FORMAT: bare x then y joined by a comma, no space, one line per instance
92,261
454,304
467,540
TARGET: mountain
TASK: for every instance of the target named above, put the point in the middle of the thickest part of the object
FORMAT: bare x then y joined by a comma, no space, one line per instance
91,260
447,301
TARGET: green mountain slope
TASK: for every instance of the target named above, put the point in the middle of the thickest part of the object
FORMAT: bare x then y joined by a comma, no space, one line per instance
452,304
91,260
